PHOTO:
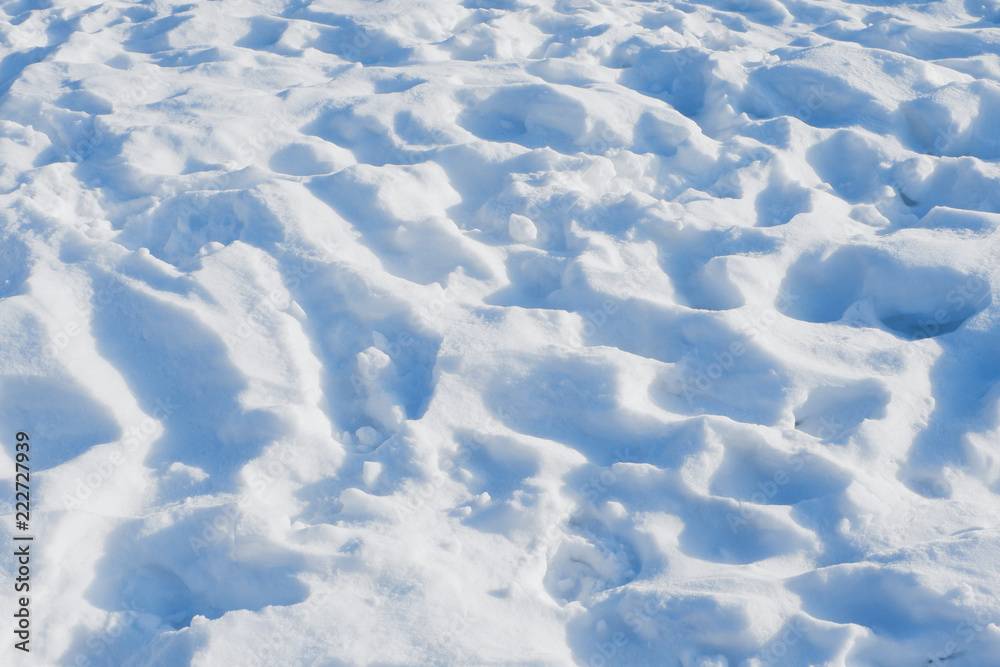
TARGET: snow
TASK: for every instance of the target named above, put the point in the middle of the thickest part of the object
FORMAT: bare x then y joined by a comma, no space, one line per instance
575,332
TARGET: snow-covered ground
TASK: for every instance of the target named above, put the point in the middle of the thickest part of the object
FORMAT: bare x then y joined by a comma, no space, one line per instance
572,332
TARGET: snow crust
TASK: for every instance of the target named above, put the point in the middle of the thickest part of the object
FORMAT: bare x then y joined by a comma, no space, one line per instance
503,333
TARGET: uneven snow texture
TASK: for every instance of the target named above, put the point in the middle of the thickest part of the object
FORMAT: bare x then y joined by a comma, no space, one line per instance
503,333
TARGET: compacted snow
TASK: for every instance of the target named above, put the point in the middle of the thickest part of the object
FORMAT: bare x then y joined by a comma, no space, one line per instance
502,333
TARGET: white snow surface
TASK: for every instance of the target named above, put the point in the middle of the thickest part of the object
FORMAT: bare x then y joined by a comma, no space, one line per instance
572,332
